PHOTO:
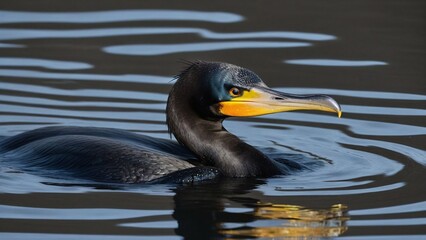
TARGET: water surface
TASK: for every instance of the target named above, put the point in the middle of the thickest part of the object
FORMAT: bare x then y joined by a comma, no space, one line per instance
112,64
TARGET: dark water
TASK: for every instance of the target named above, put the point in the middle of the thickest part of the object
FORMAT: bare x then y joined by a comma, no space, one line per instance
110,64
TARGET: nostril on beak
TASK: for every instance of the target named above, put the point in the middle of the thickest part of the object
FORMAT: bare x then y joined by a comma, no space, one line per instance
278,98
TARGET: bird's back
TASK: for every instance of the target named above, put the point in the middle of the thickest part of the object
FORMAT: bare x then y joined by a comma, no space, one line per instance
100,154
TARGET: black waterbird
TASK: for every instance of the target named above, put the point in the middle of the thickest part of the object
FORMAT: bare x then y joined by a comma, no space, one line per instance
203,96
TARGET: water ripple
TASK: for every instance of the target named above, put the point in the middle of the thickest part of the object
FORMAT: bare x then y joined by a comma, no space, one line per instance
404,208
335,62
362,127
297,136
385,237
105,115
50,103
18,34
391,111
388,222
17,212
154,224
116,94
137,78
161,49
356,93
10,45
55,236
280,192
44,63
118,16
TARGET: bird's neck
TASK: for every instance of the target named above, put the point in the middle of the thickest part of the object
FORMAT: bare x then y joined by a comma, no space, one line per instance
214,146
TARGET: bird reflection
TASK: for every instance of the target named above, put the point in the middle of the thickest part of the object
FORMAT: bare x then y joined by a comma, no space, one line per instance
201,212
294,221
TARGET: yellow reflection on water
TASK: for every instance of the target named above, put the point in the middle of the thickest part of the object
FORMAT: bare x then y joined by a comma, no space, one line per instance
295,222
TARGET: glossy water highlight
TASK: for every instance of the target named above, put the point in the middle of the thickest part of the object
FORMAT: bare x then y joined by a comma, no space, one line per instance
117,16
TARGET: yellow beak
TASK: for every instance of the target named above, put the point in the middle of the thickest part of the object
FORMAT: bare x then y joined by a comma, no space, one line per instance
262,100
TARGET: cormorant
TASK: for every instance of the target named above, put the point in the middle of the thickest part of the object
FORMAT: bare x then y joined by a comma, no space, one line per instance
203,96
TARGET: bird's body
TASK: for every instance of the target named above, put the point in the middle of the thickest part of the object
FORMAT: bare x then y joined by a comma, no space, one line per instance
203,96
101,154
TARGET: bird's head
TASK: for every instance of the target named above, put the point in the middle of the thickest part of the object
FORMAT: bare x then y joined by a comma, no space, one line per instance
220,90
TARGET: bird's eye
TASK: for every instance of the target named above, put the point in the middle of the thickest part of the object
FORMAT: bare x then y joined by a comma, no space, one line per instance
235,92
